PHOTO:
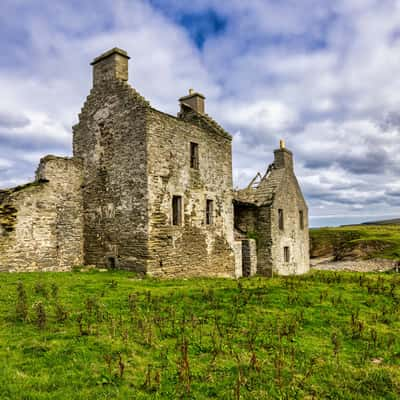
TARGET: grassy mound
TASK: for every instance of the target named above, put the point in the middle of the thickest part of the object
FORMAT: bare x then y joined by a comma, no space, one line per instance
359,241
109,336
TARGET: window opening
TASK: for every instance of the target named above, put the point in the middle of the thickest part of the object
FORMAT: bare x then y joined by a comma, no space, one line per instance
209,212
280,218
194,155
286,254
176,210
301,217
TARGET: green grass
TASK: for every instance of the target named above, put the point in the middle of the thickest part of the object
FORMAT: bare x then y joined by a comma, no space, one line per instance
374,241
111,336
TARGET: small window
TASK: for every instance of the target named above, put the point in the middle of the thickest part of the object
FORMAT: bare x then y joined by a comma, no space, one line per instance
194,155
301,219
209,212
286,254
177,210
280,219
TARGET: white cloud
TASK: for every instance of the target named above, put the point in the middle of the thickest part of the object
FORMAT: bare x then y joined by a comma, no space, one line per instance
261,115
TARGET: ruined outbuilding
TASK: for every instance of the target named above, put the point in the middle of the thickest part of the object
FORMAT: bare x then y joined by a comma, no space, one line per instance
152,193
273,212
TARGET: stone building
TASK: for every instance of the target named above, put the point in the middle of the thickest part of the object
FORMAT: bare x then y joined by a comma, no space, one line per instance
271,219
152,193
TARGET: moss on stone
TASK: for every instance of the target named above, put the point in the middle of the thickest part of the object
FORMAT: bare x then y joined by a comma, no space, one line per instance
253,235
8,213
8,217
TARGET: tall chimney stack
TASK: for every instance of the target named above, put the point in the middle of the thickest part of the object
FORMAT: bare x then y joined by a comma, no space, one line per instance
112,65
194,101
283,157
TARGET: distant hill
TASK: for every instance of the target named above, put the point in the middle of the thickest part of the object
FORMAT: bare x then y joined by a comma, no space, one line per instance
371,240
395,221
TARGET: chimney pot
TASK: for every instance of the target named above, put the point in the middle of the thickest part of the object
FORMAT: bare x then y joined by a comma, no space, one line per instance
194,101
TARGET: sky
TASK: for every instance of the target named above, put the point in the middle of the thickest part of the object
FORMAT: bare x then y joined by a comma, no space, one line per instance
322,75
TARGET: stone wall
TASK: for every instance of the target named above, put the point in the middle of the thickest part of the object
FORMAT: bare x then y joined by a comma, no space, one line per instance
41,225
264,241
249,257
193,248
237,248
111,141
290,200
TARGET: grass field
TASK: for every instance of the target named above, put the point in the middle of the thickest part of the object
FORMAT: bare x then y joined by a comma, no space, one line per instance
361,241
107,335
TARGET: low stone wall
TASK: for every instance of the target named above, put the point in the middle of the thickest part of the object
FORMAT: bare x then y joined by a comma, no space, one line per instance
245,257
372,265
41,222
237,249
249,257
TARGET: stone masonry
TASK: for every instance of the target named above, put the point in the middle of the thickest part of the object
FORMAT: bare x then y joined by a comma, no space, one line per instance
41,225
274,212
152,193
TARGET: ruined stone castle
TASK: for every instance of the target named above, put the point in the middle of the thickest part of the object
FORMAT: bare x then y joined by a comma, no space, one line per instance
149,192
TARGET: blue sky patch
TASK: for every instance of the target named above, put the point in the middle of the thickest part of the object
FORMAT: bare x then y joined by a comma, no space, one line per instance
203,25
